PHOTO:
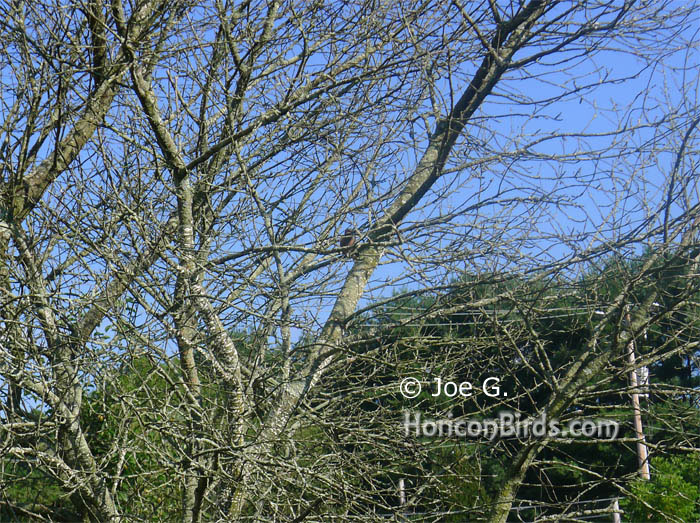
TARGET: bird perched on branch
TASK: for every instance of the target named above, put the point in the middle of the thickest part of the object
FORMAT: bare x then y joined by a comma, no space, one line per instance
348,240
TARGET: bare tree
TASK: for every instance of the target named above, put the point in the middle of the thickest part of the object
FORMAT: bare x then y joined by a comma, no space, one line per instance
178,294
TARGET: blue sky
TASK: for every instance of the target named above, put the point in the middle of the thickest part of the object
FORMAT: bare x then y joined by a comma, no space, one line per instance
618,181
595,196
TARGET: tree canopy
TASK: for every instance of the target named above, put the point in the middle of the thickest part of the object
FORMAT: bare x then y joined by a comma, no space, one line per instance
183,325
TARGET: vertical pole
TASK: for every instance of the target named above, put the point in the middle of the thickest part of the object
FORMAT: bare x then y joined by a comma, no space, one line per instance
642,454
616,513
402,493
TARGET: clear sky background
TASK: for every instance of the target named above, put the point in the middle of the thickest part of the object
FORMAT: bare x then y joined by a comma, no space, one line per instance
589,193
602,195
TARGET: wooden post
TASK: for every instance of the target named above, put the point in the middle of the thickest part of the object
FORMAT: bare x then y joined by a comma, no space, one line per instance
642,454
616,514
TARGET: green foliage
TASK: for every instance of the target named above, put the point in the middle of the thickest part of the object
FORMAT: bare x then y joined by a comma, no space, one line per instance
672,494
32,490
123,434
134,424
518,321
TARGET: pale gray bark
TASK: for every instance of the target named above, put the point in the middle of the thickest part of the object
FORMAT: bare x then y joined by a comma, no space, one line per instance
173,292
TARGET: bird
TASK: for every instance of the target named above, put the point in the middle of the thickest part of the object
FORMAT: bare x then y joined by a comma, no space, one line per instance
348,239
